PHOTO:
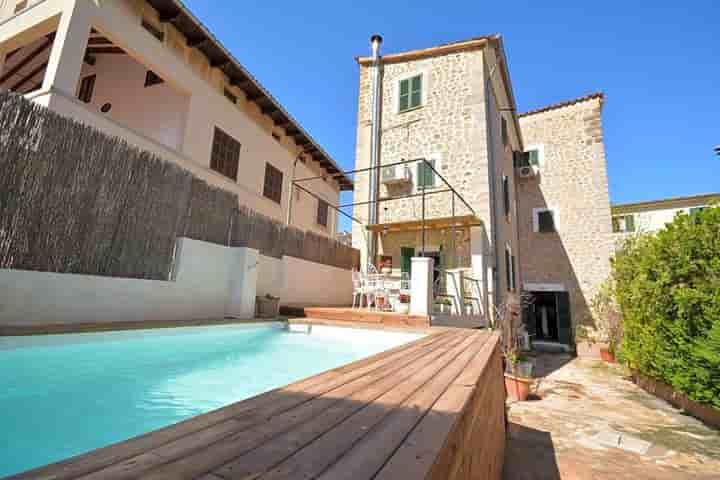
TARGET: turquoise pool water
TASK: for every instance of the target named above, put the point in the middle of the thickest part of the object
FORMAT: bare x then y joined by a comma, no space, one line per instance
62,395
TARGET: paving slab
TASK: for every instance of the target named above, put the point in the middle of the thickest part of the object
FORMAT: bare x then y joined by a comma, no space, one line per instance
585,420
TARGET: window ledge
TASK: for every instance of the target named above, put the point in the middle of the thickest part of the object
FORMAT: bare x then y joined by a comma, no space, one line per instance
407,110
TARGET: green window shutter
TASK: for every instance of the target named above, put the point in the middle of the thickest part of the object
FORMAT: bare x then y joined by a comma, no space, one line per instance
564,320
416,91
630,223
533,157
404,95
615,224
506,195
406,254
508,268
425,175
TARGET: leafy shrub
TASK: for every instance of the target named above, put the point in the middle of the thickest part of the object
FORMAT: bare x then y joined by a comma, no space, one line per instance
668,289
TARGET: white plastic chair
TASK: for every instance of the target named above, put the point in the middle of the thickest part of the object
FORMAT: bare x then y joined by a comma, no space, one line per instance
358,288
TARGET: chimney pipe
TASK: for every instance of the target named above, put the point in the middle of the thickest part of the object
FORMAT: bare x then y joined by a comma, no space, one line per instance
375,42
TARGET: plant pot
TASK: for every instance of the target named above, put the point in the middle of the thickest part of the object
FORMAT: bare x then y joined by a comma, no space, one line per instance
517,388
607,355
403,308
586,349
267,307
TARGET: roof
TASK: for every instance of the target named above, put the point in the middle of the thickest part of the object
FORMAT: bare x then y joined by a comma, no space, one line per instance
674,202
566,103
442,49
198,36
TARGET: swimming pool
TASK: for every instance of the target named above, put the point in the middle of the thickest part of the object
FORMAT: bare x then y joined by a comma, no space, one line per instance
63,395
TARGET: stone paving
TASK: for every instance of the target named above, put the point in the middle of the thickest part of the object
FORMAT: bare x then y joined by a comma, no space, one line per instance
586,421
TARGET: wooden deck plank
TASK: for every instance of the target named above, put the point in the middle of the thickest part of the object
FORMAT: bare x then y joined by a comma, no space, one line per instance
360,315
370,454
104,457
185,446
418,453
213,456
335,435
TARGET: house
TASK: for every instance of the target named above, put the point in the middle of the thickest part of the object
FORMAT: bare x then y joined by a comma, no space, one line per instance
149,72
535,185
452,106
651,216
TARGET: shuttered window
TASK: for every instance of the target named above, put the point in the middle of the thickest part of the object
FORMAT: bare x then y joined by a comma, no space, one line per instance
322,213
410,93
510,270
504,130
506,195
425,174
273,183
87,87
225,155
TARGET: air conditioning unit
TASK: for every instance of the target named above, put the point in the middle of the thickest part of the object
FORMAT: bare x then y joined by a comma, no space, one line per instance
527,171
395,174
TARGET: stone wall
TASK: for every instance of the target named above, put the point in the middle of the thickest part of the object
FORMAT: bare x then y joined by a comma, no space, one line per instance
572,180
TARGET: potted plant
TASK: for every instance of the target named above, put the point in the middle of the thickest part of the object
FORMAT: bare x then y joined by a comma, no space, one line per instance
443,305
588,342
267,306
403,305
613,336
518,369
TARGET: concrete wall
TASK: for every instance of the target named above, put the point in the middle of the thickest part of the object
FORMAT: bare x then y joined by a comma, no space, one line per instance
197,90
209,282
302,283
573,182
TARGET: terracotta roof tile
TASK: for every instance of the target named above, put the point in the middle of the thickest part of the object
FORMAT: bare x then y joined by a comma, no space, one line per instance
567,103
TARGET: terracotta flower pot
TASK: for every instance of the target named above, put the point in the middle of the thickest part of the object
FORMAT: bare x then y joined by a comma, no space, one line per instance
517,388
607,355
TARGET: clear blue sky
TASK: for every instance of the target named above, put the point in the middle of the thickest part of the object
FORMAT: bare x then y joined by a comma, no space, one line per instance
658,64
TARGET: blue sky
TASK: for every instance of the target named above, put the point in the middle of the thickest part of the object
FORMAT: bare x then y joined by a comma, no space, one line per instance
658,64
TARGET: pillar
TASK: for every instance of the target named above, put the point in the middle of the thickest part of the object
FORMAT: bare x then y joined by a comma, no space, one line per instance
479,256
68,50
421,285
242,284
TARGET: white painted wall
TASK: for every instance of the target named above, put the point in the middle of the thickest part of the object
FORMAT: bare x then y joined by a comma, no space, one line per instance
206,276
302,283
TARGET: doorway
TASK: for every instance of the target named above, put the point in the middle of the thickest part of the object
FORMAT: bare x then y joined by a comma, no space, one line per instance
547,318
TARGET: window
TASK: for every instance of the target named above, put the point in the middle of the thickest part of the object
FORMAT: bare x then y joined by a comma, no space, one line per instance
623,223
87,86
694,210
322,213
229,95
154,31
21,5
510,269
425,174
410,93
506,195
225,154
531,157
273,183
504,130
152,78
544,220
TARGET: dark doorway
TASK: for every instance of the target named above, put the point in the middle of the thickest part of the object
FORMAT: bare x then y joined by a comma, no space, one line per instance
548,317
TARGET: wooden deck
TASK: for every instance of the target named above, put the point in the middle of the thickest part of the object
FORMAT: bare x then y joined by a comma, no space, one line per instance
364,315
433,408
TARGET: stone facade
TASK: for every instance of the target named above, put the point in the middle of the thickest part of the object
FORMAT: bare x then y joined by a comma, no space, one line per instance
572,182
457,126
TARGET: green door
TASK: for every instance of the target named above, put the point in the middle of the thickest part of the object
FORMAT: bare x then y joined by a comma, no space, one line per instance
564,322
406,253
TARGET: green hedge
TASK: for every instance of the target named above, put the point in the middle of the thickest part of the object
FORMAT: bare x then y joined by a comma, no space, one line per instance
668,289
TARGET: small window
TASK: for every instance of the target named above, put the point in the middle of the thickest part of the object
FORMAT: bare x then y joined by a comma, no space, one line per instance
410,93
527,158
154,31
229,95
322,213
545,221
425,174
87,87
504,130
273,183
695,210
509,269
152,78
533,157
506,194
623,223
225,155
21,5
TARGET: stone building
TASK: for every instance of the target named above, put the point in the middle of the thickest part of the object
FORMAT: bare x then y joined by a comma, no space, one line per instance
538,214
452,106
564,210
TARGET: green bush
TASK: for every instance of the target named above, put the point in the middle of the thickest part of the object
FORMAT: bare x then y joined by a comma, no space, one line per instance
668,288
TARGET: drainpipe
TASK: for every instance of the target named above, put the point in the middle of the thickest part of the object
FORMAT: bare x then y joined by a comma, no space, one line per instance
375,42
292,190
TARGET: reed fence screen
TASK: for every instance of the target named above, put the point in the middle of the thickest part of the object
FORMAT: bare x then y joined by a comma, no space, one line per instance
75,200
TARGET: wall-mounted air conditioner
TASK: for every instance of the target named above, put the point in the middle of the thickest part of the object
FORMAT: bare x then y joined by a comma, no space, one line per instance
395,174
527,171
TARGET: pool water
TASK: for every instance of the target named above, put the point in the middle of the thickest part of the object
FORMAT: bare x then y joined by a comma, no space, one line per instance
62,395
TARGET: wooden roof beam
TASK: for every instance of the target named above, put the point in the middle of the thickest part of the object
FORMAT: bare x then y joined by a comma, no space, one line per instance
29,76
31,56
